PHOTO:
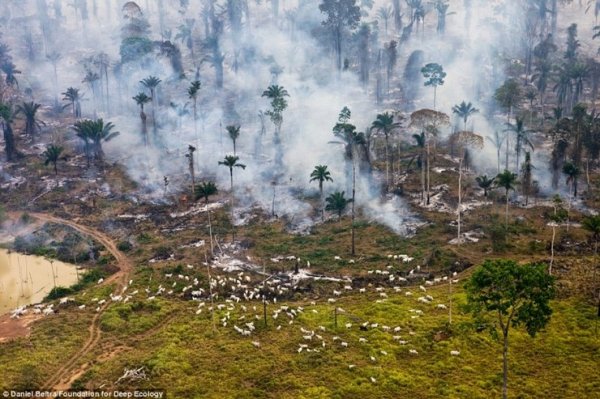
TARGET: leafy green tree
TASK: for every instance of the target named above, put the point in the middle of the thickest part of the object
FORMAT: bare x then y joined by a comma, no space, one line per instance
234,133
384,123
507,181
29,111
592,225
341,15
509,295
321,174
94,133
464,111
10,147
508,96
277,95
73,99
52,155
141,99
337,203
206,190
485,183
434,76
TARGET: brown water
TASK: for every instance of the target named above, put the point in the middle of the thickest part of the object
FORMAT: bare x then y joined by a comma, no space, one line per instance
28,279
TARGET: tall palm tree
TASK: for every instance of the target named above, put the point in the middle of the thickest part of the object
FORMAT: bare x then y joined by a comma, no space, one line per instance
193,95
234,133
10,70
385,123
277,96
231,161
29,111
464,111
53,58
73,99
91,78
385,14
507,181
485,183
141,99
206,190
151,83
420,142
52,155
337,203
6,115
321,174
521,136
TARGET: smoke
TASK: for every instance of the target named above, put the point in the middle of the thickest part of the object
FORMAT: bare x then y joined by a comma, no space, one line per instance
282,51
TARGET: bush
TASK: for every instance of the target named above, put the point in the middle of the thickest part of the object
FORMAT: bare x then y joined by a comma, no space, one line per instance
58,292
124,246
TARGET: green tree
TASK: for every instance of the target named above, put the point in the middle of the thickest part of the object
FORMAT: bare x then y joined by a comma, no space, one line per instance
341,15
337,203
94,133
384,123
141,99
151,83
206,190
434,76
321,174
52,155
485,183
234,133
464,111
592,225
509,295
277,96
572,172
73,99
507,181
29,111
10,147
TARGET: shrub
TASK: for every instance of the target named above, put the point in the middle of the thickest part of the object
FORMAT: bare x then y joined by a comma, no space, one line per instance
58,292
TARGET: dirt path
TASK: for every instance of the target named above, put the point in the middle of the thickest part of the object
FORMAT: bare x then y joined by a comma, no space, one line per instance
15,328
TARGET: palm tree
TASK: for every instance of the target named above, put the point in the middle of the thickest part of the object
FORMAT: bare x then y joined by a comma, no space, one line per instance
277,96
231,161
91,78
572,172
507,181
385,14
73,99
522,136
10,70
234,134
337,203
151,83
53,155
385,123
464,111
29,111
193,95
321,174
485,183
6,115
141,99
420,142
205,190
94,133
54,57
